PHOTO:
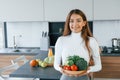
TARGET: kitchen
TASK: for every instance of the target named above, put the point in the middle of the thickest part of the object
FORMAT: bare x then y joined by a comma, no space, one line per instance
29,21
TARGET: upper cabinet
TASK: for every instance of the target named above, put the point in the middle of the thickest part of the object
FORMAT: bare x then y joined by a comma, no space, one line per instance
106,9
21,10
57,10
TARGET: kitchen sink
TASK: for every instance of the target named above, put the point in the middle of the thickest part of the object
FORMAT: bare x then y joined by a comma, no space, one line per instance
22,50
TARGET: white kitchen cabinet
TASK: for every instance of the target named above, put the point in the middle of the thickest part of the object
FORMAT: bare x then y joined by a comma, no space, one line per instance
21,10
57,10
106,9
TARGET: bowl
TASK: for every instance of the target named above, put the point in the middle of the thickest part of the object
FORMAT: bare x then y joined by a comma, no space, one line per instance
75,72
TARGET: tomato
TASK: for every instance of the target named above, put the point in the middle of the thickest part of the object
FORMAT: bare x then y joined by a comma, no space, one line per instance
64,67
74,68
67,67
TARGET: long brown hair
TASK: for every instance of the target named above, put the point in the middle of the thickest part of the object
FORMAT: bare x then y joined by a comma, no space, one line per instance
86,33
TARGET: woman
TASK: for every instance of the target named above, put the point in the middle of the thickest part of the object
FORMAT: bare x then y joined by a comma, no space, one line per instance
76,40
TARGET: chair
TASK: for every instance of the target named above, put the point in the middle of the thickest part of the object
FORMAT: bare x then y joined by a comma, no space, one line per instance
17,60
7,68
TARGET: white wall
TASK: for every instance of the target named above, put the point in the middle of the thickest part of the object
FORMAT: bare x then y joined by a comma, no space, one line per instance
104,31
27,34
1,35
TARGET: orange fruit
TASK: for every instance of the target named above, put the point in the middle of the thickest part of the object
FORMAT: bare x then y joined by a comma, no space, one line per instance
33,63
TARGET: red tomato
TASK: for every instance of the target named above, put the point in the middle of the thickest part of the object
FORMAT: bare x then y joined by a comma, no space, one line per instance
64,67
67,67
74,68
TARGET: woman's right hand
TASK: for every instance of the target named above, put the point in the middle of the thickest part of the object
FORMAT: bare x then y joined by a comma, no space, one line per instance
63,71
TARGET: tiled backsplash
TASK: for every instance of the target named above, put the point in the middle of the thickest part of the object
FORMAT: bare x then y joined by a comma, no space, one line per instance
104,31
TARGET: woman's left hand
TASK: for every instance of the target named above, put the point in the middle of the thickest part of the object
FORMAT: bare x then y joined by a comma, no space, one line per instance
82,73
78,75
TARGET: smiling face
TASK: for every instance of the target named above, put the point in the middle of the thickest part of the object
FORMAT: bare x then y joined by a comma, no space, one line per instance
76,23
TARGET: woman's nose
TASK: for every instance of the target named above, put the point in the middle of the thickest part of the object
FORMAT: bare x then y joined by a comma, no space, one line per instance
75,23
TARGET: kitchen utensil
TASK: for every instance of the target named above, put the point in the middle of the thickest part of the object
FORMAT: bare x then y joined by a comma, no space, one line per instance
45,34
42,33
118,41
44,41
105,50
114,42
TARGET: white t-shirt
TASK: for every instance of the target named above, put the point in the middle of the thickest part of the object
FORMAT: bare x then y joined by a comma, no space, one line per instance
74,45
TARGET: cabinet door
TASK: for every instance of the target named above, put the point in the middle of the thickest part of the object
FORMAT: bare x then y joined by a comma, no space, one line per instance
21,10
57,10
110,67
106,9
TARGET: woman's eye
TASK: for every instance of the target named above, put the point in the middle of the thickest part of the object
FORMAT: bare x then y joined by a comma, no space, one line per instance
71,21
78,20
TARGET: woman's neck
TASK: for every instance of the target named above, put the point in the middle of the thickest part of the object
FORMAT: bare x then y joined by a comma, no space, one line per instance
76,34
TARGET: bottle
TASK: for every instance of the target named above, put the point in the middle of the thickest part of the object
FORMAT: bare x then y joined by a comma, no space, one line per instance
50,52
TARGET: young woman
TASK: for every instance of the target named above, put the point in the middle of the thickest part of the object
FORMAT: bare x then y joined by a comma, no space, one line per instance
77,40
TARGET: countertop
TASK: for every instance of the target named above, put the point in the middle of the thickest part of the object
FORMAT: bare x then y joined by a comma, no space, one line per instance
35,51
110,54
26,71
19,51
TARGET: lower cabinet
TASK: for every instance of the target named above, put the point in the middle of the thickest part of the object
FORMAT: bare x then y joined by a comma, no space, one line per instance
110,67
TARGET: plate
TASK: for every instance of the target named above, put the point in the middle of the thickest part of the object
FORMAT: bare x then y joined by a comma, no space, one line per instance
75,72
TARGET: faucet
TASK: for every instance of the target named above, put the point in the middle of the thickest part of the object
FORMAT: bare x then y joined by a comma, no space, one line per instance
14,43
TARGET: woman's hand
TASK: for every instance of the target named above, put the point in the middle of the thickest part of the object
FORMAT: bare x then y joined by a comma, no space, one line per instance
78,75
82,73
63,71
